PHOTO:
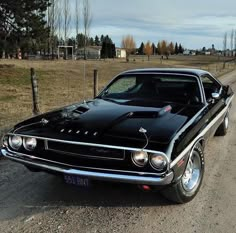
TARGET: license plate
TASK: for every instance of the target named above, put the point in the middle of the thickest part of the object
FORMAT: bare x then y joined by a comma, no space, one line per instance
77,180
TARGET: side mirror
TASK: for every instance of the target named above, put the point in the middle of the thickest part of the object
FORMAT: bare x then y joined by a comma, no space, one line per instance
215,95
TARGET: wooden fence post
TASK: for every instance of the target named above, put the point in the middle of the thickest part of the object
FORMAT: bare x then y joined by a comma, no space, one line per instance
95,83
35,95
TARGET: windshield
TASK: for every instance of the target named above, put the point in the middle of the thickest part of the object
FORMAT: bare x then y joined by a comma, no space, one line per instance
169,88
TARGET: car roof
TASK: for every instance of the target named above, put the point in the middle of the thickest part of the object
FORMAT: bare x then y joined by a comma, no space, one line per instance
196,72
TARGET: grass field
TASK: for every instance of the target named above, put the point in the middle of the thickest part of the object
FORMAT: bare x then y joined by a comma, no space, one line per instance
65,82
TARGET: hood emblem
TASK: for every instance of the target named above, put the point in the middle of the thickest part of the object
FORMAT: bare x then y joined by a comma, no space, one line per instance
144,132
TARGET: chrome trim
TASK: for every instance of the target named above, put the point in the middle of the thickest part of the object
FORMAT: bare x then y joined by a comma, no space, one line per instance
133,179
87,144
17,154
182,154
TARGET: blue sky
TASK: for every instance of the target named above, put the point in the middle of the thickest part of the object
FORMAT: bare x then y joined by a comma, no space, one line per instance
194,23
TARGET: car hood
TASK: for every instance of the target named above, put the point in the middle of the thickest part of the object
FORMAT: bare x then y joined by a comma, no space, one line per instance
110,122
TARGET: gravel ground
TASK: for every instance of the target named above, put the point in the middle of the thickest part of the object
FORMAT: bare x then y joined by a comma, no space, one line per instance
38,202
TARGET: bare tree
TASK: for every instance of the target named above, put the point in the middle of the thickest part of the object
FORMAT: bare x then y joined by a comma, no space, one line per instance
77,19
164,48
225,43
232,42
87,19
148,49
51,19
59,19
129,45
171,48
67,19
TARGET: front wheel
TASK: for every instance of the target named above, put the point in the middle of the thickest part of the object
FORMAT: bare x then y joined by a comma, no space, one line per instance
223,128
188,186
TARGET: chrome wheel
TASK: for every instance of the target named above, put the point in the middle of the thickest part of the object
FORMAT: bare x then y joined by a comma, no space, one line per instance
226,122
191,176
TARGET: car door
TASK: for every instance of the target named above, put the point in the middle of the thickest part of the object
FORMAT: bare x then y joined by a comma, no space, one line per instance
215,105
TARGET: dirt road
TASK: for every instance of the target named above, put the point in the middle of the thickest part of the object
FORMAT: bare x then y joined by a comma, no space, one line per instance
38,202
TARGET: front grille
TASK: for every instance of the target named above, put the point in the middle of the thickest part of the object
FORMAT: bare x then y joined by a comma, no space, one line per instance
86,151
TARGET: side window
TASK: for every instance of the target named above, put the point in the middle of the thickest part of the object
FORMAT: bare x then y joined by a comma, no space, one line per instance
210,86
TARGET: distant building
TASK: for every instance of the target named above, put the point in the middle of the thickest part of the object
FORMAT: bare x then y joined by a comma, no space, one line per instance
120,53
207,52
188,52
92,52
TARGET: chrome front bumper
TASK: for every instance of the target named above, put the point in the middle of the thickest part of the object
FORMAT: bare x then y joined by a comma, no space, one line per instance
106,176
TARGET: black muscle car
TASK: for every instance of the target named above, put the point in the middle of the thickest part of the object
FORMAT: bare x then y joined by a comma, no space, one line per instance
147,127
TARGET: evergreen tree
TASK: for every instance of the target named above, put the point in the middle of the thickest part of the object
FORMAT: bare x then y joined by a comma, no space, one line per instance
113,51
181,49
108,49
176,48
97,41
80,40
22,21
141,49
159,48
107,39
91,41
154,49
101,39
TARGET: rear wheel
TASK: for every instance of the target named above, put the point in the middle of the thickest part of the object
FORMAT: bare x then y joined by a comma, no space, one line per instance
223,128
188,186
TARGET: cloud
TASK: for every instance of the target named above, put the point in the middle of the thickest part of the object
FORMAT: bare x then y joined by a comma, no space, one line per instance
193,23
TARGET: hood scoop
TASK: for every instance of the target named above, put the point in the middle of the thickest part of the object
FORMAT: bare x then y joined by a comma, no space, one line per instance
150,114
143,114
81,110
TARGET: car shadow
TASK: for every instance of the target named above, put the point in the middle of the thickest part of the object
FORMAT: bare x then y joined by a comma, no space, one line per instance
32,193
104,194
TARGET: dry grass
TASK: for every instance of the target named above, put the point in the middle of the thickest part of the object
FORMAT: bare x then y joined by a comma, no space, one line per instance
65,82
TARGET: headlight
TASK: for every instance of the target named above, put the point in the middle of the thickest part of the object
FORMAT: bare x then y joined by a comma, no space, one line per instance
30,143
140,158
159,162
15,142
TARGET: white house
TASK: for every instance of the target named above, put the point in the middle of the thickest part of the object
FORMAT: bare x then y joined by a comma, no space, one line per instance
186,52
120,53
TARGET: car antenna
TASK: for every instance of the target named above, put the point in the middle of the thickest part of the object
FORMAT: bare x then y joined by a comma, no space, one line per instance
144,132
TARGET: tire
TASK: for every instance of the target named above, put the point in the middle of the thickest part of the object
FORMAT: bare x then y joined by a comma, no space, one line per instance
223,128
188,186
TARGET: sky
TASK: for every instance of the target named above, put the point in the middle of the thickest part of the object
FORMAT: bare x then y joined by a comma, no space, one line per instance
193,23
